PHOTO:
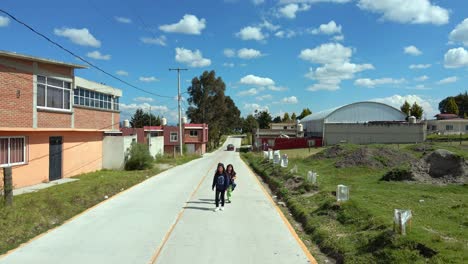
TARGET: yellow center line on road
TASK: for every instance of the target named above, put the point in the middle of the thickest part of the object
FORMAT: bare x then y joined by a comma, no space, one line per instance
283,217
179,216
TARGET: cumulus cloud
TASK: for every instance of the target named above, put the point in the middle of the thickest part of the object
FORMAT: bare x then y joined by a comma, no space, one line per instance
4,21
277,88
78,36
330,28
456,58
451,79
123,20
264,97
336,66
412,50
129,109
397,100
290,10
248,53
161,40
148,79
229,53
268,25
98,56
371,83
250,92
121,73
189,24
229,65
143,99
403,11
314,1
252,108
419,66
421,78
251,33
460,33
256,80
290,100
286,33
191,58
338,38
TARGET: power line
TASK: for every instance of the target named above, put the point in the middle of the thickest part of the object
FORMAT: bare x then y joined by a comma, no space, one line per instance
79,57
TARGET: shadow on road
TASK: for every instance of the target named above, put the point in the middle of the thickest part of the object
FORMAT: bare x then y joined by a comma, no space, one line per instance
207,200
202,202
198,208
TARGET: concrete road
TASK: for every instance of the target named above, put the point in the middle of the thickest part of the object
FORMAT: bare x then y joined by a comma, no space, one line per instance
170,219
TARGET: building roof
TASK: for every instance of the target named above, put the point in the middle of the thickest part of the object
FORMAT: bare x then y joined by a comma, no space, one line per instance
95,86
15,55
446,116
153,128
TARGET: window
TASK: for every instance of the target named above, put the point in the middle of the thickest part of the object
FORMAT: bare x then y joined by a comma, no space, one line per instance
174,136
94,99
12,151
53,93
194,133
434,128
449,127
466,128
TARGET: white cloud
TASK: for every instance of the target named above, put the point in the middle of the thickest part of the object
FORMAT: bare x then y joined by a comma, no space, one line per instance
290,100
230,65
191,58
456,58
148,79
419,66
314,1
78,36
258,2
250,92
229,53
268,25
189,24
412,50
460,33
131,108
161,40
404,11
328,29
264,97
338,38
121,73
290,10
285,33
4,21
256,80
421,78
248,53
143,99
98,56
366,82
336,66
255,107
251,33
277,88
420,87
398,100
124,20
448,80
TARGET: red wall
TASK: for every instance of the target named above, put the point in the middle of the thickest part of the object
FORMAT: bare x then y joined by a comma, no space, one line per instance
292,143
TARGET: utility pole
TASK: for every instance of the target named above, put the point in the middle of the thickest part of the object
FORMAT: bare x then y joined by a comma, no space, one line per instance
178,100
149,135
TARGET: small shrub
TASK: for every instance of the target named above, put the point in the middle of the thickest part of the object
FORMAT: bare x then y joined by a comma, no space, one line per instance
398,174
139,158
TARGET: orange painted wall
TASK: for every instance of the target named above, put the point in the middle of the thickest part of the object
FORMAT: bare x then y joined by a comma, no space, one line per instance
82,152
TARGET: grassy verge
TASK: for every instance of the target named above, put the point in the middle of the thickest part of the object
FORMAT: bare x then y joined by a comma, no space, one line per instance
35,213
361,230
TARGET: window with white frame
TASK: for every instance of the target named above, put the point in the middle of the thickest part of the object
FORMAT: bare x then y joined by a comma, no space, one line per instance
95,99
53,93
174,136
12,151
194,133
449,127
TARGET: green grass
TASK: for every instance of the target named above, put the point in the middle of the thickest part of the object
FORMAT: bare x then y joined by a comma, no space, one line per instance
35,213
360,231
436,137
300,153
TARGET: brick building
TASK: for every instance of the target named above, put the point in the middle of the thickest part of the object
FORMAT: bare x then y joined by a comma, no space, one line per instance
52,123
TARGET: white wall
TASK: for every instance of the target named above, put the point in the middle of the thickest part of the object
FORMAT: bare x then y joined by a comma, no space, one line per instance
114,150
157,146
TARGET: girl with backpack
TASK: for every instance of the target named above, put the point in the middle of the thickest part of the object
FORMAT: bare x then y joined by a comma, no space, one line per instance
232,185
221,182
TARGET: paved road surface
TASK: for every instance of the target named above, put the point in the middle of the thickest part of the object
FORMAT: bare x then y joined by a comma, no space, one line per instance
170,219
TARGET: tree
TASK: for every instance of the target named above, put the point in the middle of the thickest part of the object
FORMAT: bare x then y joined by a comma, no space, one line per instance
305,112
416,111
406,108
452,107
249,124
141,119
286,118
208,104
263,118
462,103
277,119
293,116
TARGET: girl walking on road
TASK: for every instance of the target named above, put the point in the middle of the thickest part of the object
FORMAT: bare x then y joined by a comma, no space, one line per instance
221,182
232,185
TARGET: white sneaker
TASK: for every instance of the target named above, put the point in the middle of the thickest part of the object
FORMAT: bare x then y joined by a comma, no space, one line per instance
216,209
222,208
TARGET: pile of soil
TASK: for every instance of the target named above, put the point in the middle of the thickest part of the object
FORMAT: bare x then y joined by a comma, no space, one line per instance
374,158
441,167
294,183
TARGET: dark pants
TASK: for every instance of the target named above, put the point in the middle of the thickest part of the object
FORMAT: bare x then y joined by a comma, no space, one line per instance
218,193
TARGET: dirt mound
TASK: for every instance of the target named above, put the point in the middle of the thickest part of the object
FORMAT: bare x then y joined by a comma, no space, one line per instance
441,166
294,183
374,158
331,152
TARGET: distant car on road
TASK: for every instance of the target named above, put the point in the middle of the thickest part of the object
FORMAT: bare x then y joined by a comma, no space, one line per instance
231,147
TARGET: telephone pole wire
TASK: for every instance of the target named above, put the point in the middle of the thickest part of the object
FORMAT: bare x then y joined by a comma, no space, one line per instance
178,100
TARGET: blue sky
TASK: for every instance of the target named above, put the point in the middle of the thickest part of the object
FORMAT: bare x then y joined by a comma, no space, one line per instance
280,55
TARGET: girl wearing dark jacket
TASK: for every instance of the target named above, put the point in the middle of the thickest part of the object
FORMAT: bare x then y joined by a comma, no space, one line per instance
221,182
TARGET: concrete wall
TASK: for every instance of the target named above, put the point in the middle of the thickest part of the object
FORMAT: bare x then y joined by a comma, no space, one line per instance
114,150
374,133
157,146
